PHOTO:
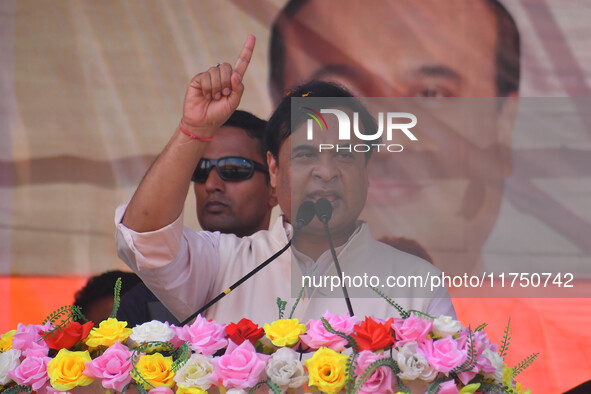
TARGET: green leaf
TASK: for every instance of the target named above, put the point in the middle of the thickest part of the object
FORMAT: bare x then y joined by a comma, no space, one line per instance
470,361
371,368
116,299
403,313
281,305
506,340
352,342
524,364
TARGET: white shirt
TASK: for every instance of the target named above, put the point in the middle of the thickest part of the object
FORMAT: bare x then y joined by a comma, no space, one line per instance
185,269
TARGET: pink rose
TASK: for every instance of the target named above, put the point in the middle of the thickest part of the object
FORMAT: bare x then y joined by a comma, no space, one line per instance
412,329
204,336
112,367
161,390
27,340
448,387
380,381
240,367
317,336
32,372
443,354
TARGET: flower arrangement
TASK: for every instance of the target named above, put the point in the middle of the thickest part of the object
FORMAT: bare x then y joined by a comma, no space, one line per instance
337,353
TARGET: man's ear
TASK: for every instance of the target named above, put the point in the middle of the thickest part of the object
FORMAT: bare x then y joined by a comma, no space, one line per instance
272,164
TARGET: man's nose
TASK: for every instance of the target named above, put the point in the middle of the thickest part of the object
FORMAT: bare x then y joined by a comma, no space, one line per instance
214,183
326,169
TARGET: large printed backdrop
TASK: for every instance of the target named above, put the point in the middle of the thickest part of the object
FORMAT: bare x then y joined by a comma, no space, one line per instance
91,91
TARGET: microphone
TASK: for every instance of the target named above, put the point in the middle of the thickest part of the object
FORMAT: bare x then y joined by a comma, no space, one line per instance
304,216
323,210
324,213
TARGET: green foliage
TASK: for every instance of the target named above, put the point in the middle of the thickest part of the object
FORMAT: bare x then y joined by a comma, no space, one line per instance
524,364
506,340
436,385
297,301
470,356
117,298
420,314
352,342
383,362
272,385
61,317
64,315
350,371
481,327
281,305
181,356
17,389
403,313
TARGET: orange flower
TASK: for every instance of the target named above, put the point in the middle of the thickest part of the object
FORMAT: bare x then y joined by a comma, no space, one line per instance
371,335
66,337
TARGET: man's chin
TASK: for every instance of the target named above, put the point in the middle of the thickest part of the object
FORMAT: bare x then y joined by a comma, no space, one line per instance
221,223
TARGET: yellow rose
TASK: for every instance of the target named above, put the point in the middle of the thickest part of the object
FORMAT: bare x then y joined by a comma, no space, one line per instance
66,368
107,333
6,341
470,389
190,390
155,370
284,332
327,370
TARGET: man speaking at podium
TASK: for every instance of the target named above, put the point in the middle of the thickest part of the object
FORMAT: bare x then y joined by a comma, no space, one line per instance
187,270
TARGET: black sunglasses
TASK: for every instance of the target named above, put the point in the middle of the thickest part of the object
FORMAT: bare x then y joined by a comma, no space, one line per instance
229,168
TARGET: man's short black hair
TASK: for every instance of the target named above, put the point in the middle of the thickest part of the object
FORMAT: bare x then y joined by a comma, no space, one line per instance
507,59
279,126
102,286
252,125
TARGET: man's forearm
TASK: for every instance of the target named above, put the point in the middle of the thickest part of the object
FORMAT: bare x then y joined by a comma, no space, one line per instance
160,197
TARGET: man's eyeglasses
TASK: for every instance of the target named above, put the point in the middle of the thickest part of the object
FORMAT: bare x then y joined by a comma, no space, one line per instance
230,168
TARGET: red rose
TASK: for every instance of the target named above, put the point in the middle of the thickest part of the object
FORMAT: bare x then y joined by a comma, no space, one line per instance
66,337
371,335
245,329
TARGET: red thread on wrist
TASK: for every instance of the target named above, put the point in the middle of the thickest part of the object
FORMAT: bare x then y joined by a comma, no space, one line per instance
191,135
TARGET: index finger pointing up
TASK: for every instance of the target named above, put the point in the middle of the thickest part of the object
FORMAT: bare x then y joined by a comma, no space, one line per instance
245,55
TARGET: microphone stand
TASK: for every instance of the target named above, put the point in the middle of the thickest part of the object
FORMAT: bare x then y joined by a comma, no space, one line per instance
324,212
304,216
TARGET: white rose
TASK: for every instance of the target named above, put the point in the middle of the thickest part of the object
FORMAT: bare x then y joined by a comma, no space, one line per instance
9,360
285,369
195,372
497,362
152,331
235,390
444,326
413,365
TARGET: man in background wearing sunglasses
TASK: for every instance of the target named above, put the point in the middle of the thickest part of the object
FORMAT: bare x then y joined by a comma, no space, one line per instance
231,180
233,196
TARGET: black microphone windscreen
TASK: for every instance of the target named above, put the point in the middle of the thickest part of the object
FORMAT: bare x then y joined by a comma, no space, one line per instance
323,209
305,214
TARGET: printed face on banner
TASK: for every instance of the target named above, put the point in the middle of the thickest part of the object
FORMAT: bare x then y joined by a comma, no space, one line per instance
433,192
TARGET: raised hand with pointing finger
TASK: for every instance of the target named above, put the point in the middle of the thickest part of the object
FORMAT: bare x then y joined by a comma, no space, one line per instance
213,95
